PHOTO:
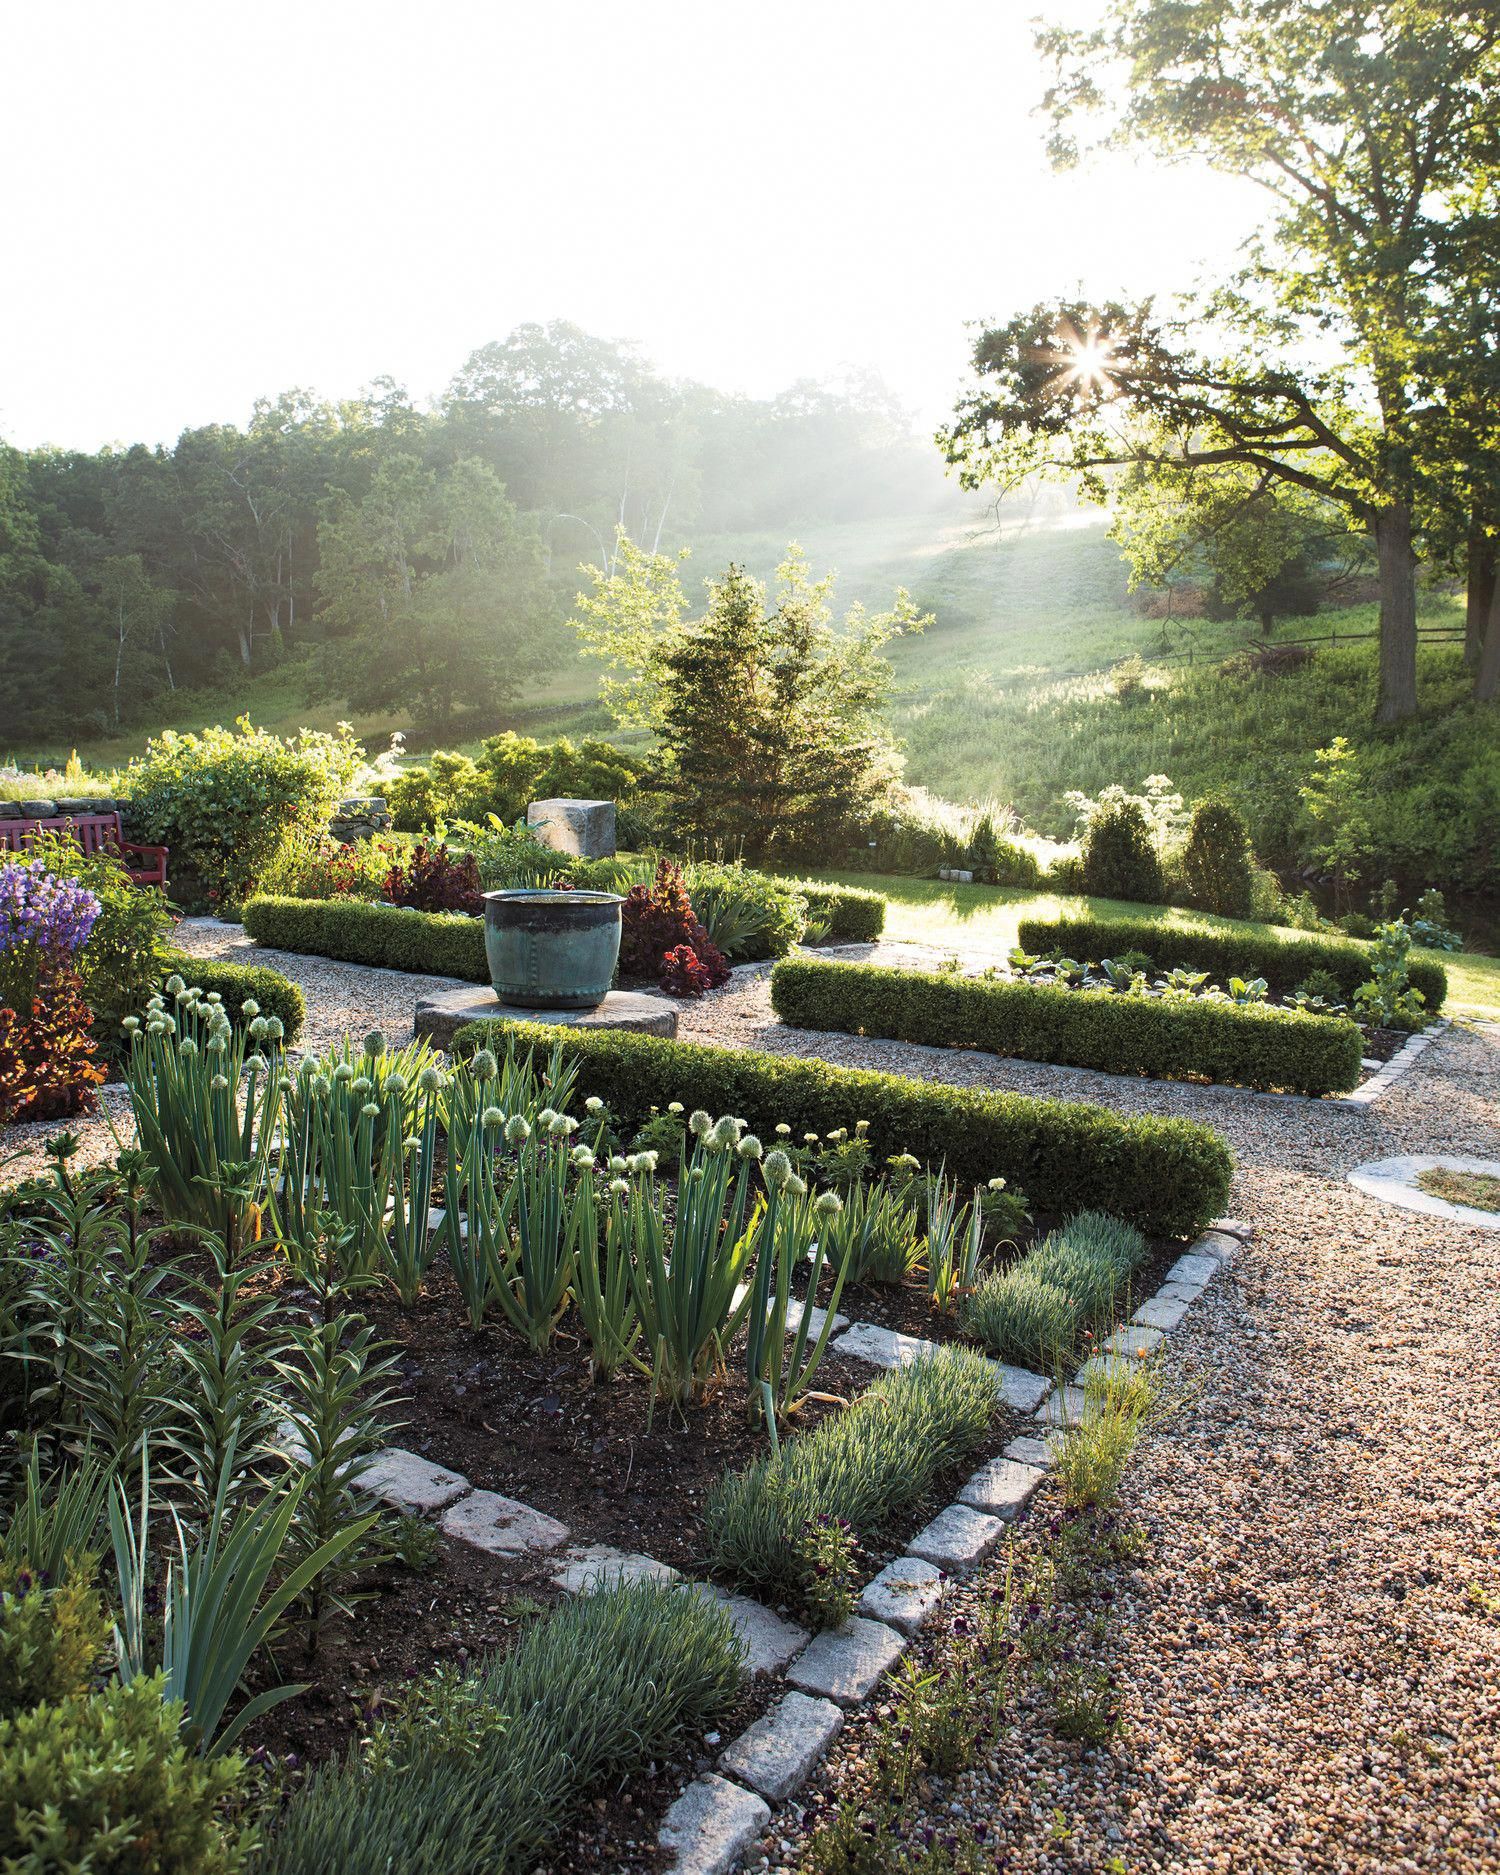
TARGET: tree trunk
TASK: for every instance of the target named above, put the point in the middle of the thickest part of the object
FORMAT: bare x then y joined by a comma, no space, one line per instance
1487,677
1479,598
1398,614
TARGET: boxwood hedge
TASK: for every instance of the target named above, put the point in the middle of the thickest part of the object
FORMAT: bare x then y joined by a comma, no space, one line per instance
276,994
1169,1177
853,914
1247,1045
442,944
1282,960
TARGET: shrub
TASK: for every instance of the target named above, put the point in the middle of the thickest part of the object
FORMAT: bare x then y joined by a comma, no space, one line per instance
511,772
1168,1176
1282,958
228,802
1247,1045
1216,861
51,1639
450,787
1119,857
509,858
657,925
332,870
430,878
863,1468
851,913
748,915
47,1052
117,963
104,1783
479,1771
384,935
236,983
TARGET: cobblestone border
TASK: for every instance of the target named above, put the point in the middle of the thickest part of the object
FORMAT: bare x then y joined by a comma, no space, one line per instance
722,1813
1394,1181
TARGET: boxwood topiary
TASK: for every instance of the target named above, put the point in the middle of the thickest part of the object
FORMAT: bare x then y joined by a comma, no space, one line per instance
852,913
1169,1177
1247,1045
1282,958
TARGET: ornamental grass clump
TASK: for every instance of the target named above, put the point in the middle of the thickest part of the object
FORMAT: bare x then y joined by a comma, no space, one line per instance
480,1770
863,1467
206,1095
1035,1312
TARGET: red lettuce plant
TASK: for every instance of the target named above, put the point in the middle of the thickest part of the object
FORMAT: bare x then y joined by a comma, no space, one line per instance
660,936
433,880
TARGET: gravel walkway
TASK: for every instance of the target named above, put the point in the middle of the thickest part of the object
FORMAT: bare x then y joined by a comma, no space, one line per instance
1308,1659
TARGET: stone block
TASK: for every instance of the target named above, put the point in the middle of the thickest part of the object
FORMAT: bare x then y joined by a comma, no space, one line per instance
847,1663
1021,1389
776,1755
1163,1312
440,1017
1033,1451
410,1483
904,1594
1193,1269
1132,1340
584,829
1063,1408
710,1826
502,1526
596,1566
770,1639
1002,1488
883,1347
958,1539
1234,1227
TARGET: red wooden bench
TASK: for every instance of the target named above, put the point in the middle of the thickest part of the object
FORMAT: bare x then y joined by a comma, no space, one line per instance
95,833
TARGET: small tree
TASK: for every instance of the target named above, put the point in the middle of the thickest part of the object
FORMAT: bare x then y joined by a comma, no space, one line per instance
769,715
1335,801
1119,855
1216,861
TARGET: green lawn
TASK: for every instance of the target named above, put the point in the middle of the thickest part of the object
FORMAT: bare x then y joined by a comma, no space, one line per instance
928,911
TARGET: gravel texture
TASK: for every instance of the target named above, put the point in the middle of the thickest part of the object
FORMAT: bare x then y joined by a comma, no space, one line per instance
1308,1656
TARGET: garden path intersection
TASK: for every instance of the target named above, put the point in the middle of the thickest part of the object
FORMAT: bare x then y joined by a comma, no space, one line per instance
1307,1656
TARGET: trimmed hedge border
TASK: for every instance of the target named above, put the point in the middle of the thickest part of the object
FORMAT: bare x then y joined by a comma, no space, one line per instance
276,994
1167,1176
1283,962
440,944
1280,1050
854,914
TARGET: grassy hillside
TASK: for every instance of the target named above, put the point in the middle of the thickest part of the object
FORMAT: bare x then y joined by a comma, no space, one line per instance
1006,697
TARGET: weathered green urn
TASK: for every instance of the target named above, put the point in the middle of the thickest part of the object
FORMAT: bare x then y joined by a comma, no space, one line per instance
552,950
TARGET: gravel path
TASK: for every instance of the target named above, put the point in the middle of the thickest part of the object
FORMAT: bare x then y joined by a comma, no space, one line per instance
1308,1658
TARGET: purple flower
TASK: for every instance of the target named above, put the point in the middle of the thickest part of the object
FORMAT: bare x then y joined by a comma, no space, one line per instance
54,915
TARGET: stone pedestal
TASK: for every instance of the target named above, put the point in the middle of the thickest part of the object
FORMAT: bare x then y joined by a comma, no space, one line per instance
582,829
441,1017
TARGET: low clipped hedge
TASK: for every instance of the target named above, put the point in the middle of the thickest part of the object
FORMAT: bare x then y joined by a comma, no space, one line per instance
1282,961
276,994
1169,1177
440,944
853,914
1245,1045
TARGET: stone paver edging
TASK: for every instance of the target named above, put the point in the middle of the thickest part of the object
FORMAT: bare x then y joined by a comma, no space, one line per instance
1394,1181
722,1813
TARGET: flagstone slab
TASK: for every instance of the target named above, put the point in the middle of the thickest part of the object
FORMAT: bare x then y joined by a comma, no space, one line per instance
503,1526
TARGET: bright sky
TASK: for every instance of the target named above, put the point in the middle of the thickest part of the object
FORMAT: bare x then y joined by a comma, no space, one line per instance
210,201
